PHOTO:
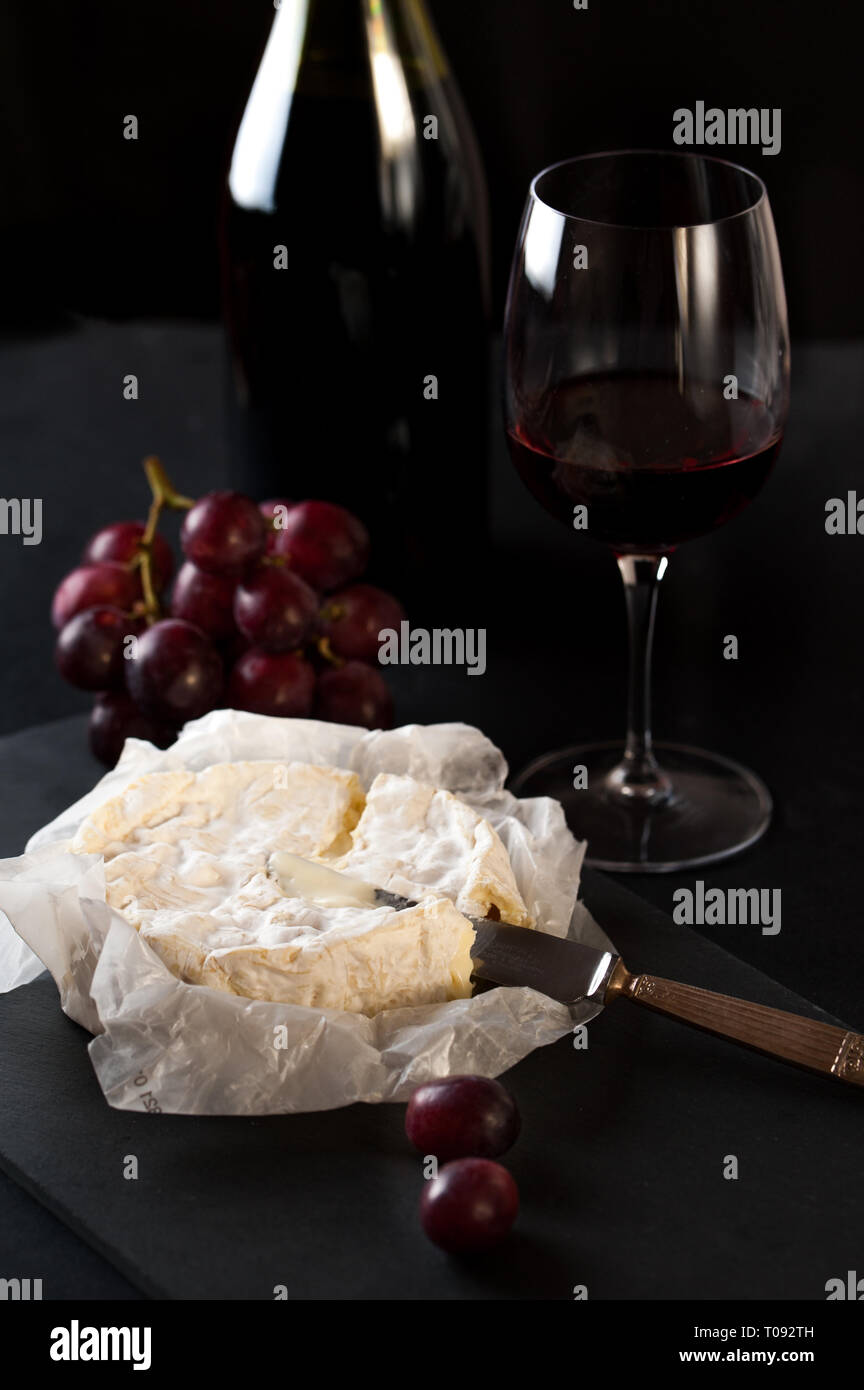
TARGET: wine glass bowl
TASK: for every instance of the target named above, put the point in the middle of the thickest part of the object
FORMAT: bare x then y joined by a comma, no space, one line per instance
646,391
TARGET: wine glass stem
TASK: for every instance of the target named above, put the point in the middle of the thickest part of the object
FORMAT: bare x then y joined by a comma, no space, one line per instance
638,776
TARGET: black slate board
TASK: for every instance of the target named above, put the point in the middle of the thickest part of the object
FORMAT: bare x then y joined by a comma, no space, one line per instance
620,1164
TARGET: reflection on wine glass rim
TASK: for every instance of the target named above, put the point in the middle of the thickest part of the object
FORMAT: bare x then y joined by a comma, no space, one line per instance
543,237
749,186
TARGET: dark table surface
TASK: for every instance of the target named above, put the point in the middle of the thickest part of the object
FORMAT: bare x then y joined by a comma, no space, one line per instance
789,706
620,1162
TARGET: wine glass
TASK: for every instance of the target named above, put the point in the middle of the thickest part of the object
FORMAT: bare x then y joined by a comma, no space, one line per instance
646,391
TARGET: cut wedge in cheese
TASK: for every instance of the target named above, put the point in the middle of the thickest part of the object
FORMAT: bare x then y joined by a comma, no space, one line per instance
414,839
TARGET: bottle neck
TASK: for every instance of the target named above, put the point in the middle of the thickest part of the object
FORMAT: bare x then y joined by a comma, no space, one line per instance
376,51
342,39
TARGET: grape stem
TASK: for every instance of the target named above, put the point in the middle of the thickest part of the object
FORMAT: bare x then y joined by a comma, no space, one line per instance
323,645
164,494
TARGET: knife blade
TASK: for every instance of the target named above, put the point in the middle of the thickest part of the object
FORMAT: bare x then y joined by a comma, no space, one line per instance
563,970
505,955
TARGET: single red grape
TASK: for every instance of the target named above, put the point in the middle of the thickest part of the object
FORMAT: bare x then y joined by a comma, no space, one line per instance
90,586
224,532
461,1117
114,718
204,599
354,694
471,1205
176,674
280,683
275,608
325,544
120,542
352,619
89,649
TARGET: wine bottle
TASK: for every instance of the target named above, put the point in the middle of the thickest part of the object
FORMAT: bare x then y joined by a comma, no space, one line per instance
355,285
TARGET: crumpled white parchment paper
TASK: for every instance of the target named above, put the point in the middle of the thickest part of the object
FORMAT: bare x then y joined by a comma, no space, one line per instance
162,1045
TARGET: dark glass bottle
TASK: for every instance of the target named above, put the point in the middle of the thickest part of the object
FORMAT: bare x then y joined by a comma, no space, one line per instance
355,270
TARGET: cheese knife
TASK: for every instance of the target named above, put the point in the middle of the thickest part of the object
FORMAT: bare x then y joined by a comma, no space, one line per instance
572,973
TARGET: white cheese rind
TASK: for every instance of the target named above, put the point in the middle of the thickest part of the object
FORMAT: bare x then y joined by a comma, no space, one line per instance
235,806
189,862
382,960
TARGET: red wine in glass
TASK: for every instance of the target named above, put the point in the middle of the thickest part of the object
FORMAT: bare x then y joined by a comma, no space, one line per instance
646,387
652,465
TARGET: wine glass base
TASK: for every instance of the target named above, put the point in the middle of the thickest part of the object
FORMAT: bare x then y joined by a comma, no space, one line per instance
716,807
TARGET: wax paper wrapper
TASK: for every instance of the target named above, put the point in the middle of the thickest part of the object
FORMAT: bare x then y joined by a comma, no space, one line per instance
165,1046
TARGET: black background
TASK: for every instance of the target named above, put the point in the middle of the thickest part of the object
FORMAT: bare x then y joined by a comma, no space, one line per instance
96,223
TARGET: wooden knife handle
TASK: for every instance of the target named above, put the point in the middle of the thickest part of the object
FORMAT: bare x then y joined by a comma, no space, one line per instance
820,1047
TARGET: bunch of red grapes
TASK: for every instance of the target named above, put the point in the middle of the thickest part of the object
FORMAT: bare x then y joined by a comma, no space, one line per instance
265,614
